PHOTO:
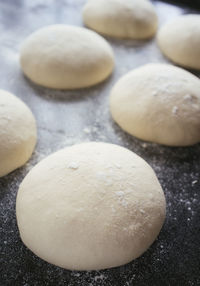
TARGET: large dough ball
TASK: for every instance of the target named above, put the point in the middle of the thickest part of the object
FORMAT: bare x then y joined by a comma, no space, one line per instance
179,40
90,206
158,103
17,133
66,57
134,19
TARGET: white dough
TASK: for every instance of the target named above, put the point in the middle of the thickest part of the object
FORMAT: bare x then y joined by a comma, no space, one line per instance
90,206
17,133
134,19
66,57
158,103
179,40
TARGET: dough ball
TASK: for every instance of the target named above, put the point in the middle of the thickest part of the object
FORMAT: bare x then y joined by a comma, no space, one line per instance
66,57
179,40
17,133
158,103
134,19
90,206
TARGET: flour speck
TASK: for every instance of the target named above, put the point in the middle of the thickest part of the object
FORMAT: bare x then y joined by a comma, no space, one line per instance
73,165
175,110
87,130
194,182
187,97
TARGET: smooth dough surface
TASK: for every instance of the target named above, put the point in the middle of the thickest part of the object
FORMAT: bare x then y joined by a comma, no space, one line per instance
90,206
134,19
179,40
17,132
66,57
158,103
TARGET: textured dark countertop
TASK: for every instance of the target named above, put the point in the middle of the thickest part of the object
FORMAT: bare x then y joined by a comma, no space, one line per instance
68,117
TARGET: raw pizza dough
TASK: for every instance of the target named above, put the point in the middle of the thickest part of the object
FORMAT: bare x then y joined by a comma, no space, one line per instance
90,206
66,57
134,19
179,40
17,133
158,103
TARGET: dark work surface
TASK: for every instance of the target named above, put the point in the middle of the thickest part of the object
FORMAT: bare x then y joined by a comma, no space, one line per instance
68,117
192,3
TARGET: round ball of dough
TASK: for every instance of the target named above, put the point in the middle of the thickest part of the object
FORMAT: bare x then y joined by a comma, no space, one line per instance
66,57
17,133
158,103
134,19
179,40
90,206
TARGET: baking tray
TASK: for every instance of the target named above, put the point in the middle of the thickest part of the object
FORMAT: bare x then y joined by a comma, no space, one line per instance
68,117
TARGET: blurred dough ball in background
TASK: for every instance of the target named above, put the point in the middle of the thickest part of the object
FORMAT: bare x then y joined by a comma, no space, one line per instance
158,103
179,40
17,133
134,19
90,206
66,57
